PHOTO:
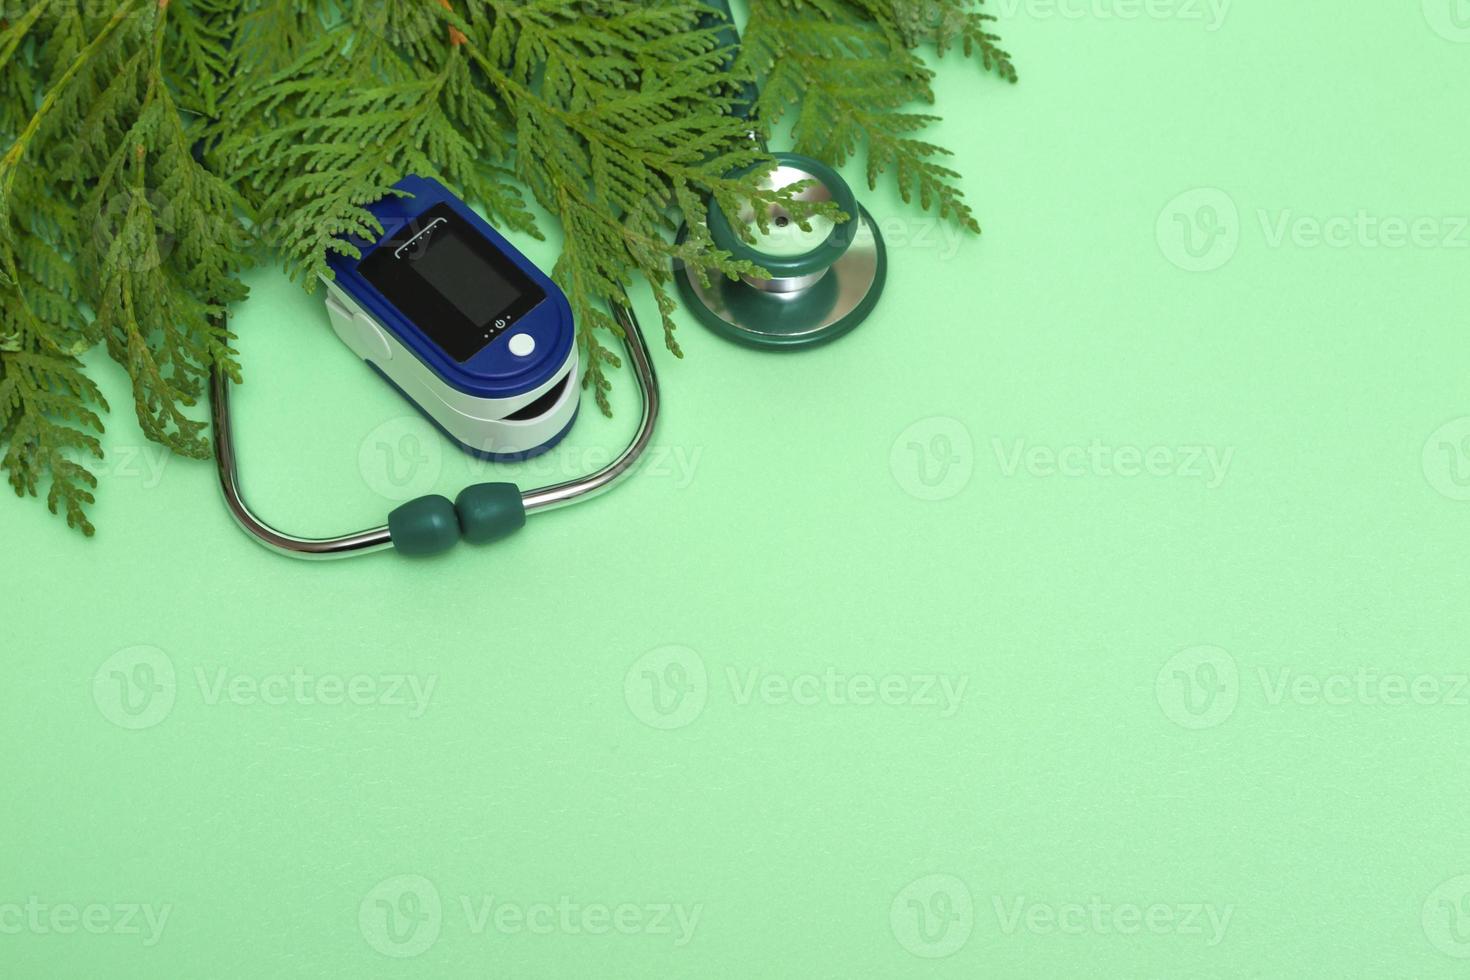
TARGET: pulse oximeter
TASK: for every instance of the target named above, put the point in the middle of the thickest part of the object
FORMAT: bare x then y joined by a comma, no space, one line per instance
464,326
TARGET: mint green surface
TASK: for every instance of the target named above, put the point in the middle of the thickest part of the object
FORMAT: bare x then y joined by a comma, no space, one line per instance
1081,615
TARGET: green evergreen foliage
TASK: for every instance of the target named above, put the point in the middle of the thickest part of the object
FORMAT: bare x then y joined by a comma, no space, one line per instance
158,148
847,68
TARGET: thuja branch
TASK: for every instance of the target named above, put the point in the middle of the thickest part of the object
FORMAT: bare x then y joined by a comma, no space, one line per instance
14,155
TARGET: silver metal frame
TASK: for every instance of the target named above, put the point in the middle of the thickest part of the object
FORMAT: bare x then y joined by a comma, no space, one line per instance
377,539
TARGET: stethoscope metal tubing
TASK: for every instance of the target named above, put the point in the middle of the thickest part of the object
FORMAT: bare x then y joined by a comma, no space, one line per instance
599,482
378,538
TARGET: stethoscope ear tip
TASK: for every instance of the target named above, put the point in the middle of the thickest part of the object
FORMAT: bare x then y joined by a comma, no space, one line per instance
824,281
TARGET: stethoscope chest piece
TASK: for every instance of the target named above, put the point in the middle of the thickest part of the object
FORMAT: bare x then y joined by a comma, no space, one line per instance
824,282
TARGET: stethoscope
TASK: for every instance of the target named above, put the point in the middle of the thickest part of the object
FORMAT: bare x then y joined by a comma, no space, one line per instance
482,513
818,291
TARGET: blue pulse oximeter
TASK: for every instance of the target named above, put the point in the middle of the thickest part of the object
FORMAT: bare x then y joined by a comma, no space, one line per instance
461,323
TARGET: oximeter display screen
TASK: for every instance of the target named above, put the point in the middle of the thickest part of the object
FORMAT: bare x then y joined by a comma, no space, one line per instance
454,285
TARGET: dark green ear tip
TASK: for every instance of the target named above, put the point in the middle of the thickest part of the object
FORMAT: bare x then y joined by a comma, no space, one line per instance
480,514
490,511
426,526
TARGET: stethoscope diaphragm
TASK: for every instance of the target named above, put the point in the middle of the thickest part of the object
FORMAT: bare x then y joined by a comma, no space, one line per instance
824,282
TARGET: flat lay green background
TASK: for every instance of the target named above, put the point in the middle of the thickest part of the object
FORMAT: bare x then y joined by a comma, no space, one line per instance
1095,609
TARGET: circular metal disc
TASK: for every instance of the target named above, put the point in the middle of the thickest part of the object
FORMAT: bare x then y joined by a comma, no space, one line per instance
831,307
